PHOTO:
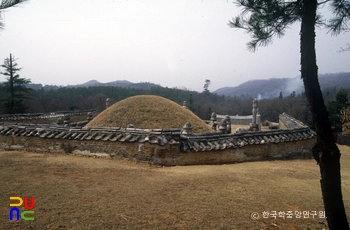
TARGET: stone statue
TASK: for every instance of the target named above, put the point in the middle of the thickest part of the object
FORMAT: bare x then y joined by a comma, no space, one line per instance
254,126
223,126
213,124
227,119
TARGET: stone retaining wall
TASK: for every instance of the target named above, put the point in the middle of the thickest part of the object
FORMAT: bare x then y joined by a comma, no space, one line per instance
42,118
163,147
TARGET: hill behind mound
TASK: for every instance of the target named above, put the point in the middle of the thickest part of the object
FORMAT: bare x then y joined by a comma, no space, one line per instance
148,112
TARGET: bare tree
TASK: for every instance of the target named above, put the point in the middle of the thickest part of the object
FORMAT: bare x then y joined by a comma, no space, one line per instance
347,48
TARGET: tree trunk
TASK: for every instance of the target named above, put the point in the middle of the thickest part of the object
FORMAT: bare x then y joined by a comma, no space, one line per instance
12,91
325,152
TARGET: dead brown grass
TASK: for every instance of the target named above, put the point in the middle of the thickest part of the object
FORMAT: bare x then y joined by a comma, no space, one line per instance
148,112
84,193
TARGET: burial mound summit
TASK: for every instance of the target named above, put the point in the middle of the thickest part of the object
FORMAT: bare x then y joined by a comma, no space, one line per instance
148,112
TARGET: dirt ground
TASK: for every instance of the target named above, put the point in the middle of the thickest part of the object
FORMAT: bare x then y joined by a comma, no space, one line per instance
87,193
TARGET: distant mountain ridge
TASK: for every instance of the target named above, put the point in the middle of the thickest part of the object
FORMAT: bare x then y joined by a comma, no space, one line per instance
120,83
261,88
95,83
271,88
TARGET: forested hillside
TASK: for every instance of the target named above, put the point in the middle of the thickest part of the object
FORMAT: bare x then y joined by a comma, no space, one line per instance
82,98
273,87
52,98
202,104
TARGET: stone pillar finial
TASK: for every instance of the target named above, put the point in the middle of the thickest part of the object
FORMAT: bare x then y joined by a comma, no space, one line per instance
187,129
254,126
66,119
212,122
60,121
108,103
213,116
223,127
89,116
227,119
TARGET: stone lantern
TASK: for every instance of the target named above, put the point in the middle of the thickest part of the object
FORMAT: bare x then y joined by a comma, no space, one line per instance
187,129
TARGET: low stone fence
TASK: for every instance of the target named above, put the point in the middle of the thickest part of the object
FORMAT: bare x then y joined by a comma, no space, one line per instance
157,146
288,122
237,120
45,118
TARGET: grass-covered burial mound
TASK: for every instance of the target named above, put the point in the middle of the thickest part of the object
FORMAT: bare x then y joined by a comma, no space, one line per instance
148,112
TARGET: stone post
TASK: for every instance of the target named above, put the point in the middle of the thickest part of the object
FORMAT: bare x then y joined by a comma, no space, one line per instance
60,121
89,116
184,105
66,119
108,102
258,120
223,126
228,123
187,129
254,126
213,123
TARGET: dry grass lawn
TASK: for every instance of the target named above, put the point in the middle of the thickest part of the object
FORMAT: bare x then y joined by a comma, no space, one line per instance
85,193
148,112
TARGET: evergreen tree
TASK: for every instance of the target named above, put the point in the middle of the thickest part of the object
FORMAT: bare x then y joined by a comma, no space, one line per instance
281,95
345,118
14,89
191,102
4,4
335,107
266,19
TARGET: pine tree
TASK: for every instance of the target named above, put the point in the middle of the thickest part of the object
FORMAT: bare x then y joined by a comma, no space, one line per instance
345,119
4,4
264,20
13,89
335,107
206,85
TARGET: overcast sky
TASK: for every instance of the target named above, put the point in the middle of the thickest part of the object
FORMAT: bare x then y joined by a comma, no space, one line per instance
172,43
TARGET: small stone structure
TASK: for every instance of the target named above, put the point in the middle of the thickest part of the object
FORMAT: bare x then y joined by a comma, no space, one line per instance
108,103
184,105
213,123
254,126
223,126
48,118
254,120
187,129
227,121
